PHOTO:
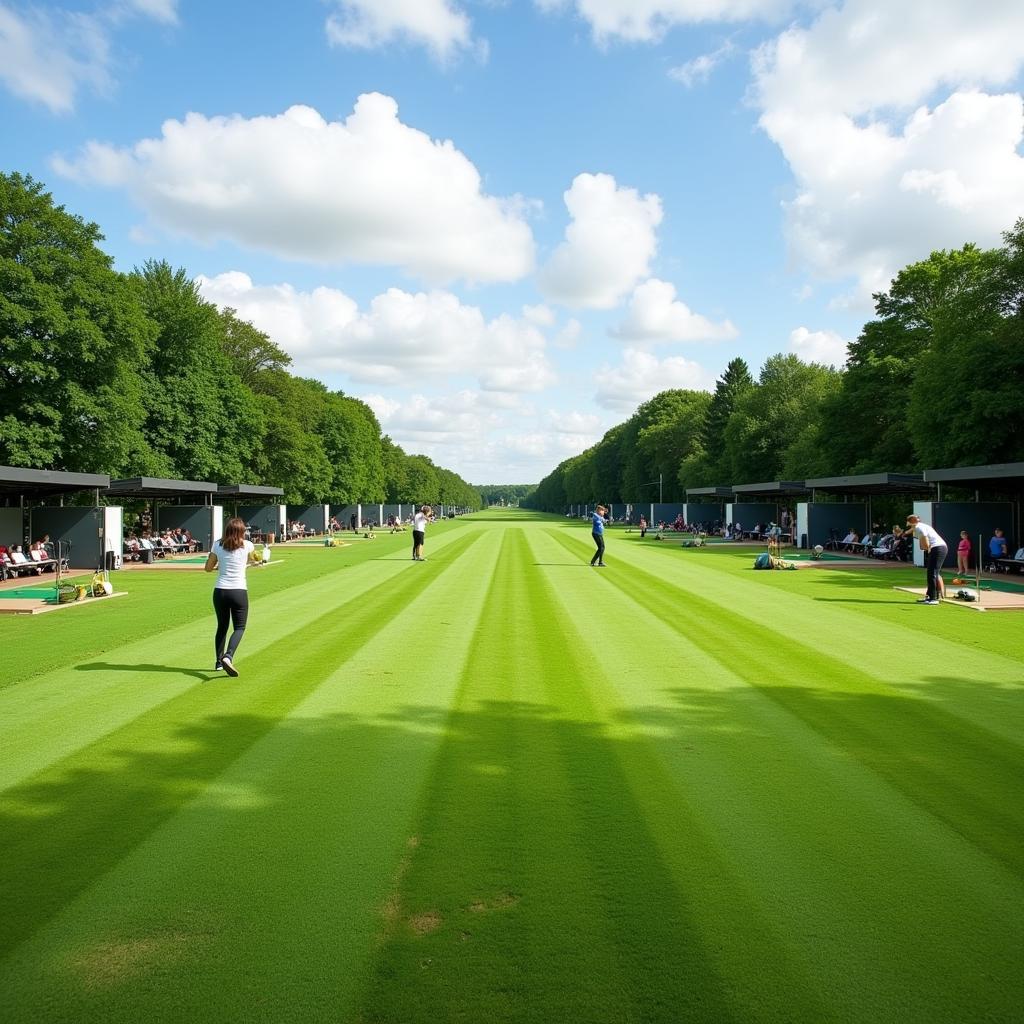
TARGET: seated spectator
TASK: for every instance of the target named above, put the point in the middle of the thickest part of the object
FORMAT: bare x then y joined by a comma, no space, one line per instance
132,547
997,547
903,546
850,540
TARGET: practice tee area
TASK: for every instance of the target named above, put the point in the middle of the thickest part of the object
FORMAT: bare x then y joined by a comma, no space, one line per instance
501,785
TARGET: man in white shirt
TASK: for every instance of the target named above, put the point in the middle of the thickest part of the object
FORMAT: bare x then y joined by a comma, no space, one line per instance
935,551
424,515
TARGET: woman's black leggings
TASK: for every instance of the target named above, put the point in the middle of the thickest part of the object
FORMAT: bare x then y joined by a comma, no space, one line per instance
599,553
231,606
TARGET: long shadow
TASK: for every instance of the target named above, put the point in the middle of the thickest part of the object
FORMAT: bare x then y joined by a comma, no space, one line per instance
93,817
107,666
551,896
534,890
965,775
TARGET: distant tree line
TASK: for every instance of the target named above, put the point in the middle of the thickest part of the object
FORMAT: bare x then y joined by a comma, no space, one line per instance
508,494
137,375
935,380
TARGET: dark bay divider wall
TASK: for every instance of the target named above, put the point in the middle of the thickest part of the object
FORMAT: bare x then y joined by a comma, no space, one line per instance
204,522
818,519
976,517
313,517
78,526
373,512
345,513
12,526
704,514
265,518
666,512
749,513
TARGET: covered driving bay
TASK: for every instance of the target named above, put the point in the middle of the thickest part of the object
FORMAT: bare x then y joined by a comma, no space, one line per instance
176,504
818,522
34,505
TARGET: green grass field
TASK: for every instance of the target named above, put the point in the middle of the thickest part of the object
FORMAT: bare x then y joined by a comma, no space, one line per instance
503,786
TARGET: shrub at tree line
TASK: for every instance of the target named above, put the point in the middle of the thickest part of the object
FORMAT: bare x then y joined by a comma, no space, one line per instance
936,380
136,375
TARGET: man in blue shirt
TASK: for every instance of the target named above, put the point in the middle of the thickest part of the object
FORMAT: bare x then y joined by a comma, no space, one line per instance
997,544
598,535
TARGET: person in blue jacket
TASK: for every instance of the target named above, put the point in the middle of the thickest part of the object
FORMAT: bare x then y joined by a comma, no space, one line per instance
598,535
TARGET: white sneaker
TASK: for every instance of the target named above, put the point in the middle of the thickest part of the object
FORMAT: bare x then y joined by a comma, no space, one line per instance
228,666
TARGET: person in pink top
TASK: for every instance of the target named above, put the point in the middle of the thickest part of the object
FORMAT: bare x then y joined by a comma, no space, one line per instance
963,553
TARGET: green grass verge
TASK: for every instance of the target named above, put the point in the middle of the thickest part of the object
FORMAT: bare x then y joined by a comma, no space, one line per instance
502,785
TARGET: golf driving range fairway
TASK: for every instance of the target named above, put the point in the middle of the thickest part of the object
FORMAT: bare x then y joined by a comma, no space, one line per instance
501,785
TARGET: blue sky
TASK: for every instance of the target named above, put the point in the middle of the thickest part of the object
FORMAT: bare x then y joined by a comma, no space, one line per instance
541,212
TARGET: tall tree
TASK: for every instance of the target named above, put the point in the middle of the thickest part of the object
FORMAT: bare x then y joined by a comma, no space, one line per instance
201,417
780,413
249,350
74,339
965,403
732,385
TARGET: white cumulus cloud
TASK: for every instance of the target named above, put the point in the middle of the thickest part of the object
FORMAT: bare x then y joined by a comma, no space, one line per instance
480,438
49,54
698,70
647,21
896,147
608,245
825,347
656,315
641,375
46,57
436,24
369,189
399,339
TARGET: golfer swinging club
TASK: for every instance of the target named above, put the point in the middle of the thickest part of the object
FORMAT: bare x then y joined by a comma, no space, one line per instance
934,548
230,556
598,535
419,531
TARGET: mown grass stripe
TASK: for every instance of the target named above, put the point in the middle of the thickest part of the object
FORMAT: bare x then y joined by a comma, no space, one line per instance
71,822
966,776
62,711
280,867
846,871
553,900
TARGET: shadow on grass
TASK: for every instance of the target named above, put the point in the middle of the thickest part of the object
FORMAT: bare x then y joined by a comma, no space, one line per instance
537,888
107,666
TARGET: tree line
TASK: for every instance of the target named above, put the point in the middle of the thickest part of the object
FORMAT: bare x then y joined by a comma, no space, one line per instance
935,380
504,494
137,375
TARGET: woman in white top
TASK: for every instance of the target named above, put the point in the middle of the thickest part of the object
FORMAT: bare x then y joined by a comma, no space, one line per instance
230,556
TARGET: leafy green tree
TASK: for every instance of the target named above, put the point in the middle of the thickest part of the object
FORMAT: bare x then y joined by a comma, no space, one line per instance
674,432
351,438
580,486
965,402
421,481
74,340
394,462
249,350
201,418
292,454
730,387
607,467
777,415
